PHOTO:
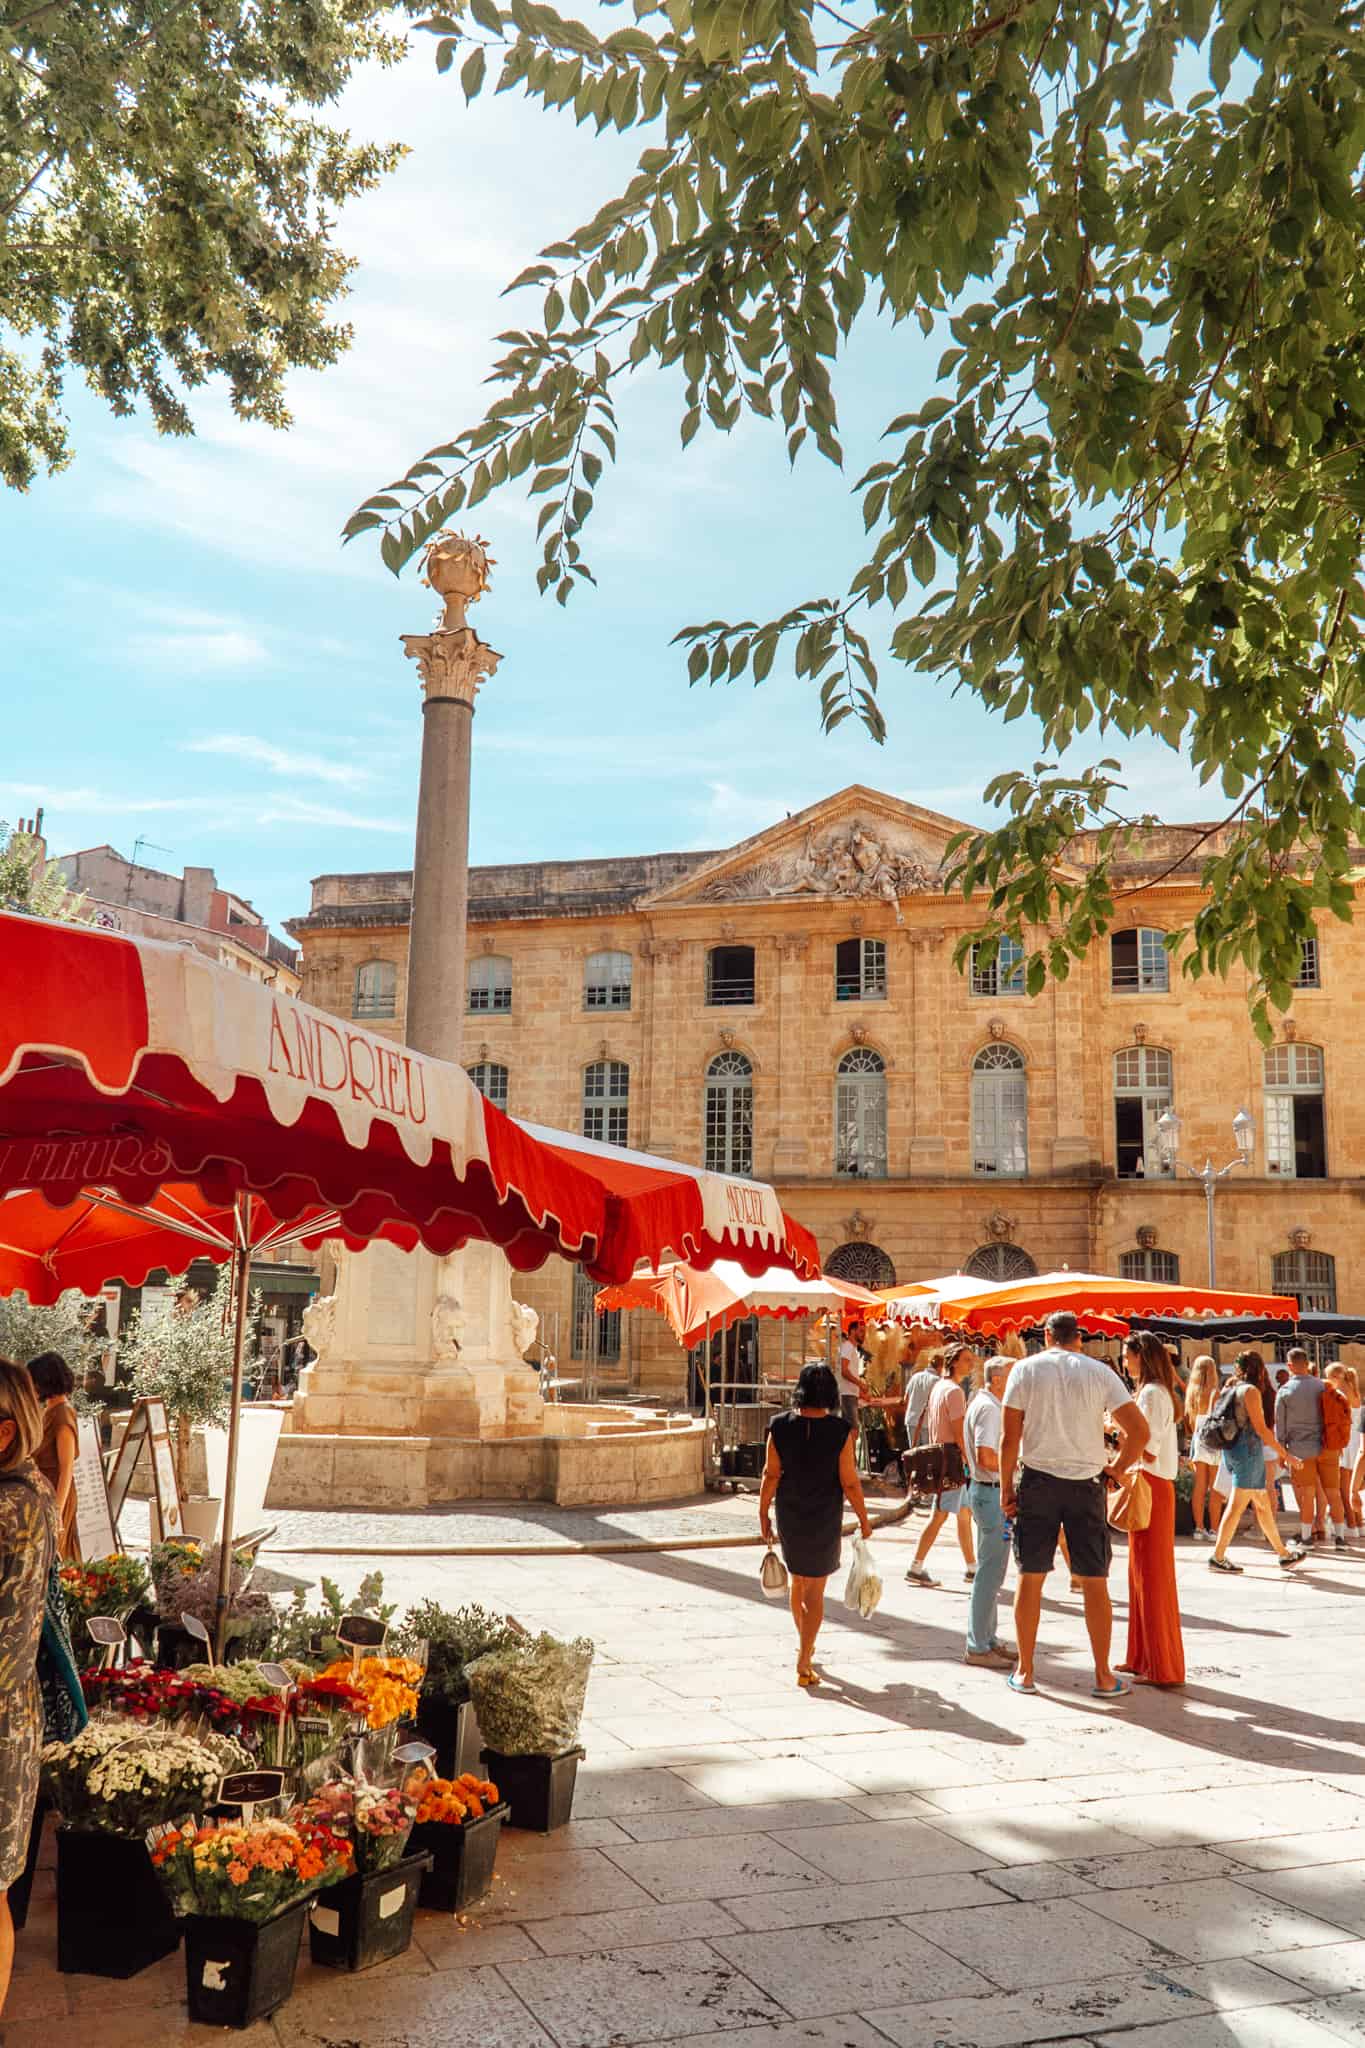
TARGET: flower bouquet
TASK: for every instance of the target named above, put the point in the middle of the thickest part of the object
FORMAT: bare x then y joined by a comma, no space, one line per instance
248,1870
458,1825
106,1585
121,1776
244,1889
186,1587
529,1699
388,1686
144,1692
377,1820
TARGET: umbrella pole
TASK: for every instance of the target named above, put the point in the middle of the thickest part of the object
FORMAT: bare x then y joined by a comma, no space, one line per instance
242,1302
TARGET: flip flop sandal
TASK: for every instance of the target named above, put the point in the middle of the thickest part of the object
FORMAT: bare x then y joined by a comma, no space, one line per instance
1017,1684
1117,1691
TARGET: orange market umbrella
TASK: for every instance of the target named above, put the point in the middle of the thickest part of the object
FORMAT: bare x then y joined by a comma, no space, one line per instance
694,1302
1099,1298
921,1301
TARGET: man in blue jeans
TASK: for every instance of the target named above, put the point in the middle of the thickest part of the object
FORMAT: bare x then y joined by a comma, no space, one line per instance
981,1442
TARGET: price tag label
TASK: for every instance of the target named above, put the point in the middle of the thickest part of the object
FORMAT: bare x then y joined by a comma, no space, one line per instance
362,1632
414,1753
106,1630
250,1788
276,1675
193,1626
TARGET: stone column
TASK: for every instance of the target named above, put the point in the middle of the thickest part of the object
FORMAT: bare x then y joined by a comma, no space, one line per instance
791,1141
928,947
415,1345
452,662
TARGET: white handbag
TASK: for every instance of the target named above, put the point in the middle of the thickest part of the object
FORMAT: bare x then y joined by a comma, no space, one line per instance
772,1575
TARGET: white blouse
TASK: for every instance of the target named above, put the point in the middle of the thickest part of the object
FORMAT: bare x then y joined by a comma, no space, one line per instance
1162,1456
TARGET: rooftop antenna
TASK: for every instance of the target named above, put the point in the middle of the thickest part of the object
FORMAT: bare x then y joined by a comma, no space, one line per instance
138,845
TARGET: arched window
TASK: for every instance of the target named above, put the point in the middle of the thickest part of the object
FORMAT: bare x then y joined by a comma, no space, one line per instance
490,982
596,1333
606,1102
860,1115
860,971
376,990
1142,1093
491,1080
729,1117
866,1265
1139,963
999,1111
1149,1265
1002,976
606,981
1000,1262
1311,1277
1295,1126
729,975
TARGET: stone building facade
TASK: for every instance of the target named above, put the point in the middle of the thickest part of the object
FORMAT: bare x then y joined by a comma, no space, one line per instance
791,1007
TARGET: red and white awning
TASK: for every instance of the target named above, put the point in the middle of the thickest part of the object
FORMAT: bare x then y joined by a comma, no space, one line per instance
129,1063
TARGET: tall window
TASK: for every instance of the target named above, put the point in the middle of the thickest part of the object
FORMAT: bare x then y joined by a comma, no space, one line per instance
490,982
860,971
1138,961
1149,1265
491,1080
1142,1092
999,1111
730,975
606,981
585,1315
1295,1128
860,1114
376,989
606,1102
1311,1277
729,1130
1003,976
1000,1262
1310,966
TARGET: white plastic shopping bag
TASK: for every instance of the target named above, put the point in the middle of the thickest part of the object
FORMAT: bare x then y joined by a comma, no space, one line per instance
864,1588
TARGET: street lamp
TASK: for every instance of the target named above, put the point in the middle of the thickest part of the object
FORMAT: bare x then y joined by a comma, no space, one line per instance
1168,1137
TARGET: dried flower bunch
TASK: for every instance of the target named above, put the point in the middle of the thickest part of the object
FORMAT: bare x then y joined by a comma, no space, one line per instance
529,1696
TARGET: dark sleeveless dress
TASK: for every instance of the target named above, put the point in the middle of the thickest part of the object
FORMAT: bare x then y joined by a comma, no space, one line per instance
810,1500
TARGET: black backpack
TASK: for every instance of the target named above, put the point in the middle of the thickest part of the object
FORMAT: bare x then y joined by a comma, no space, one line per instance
1225,1424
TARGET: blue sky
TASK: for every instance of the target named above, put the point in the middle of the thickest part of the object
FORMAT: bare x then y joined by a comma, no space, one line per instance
191,659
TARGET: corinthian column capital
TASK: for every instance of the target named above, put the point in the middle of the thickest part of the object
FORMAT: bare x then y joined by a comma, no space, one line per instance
452,662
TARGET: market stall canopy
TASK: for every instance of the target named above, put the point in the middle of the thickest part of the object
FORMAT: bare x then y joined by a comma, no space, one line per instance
664,1209
1322,1325
85,1244
1100,1301
694,1302
921,1301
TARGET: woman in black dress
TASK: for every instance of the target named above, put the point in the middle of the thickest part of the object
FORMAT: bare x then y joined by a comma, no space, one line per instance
810,1473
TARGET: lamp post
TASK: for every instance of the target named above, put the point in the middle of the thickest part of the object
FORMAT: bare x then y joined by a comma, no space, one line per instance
1168,1137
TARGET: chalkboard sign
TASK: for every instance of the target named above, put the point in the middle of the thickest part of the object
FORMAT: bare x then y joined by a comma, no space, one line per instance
105,1630
362,1632
250,1788
193,1626
276,1675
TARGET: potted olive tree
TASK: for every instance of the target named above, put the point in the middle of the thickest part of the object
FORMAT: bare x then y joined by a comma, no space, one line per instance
184,1356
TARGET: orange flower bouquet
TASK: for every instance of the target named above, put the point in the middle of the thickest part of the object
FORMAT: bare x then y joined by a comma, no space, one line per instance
243,1870
453,1801
389,1686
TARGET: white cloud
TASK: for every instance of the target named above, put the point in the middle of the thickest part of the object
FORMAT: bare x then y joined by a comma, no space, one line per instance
229,648
304,767
74,809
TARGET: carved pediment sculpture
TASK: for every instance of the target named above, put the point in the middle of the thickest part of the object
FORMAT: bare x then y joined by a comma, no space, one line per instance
851,863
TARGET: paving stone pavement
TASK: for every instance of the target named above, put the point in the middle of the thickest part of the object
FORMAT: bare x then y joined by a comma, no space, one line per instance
908,1857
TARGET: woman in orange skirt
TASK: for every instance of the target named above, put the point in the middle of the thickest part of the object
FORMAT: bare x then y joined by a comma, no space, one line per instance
1156,1651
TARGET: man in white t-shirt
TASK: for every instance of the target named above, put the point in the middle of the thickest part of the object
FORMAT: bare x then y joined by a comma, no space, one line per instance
852,1385
1054,1417
981,1432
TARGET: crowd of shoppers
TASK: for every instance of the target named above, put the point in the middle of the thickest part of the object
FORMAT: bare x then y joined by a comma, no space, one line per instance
1047,1442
